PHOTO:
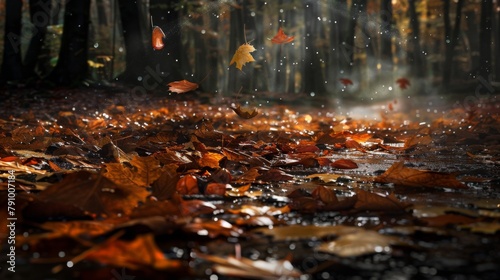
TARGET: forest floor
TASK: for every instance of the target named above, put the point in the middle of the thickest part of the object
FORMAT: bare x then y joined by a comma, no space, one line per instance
117,185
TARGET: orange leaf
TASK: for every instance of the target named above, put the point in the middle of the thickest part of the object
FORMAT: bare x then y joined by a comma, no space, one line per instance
245,113
281,37
346,81
182,86
344,164
324,194
403,83
157,38
140,253
401,175
242,55
214,228
367,201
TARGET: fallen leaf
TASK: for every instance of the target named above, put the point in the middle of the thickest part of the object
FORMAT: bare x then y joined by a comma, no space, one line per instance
275,175
367,201
325,177
242,55
144,171
344,164
252,210
298,232
247,268
359,243
404,176
182,86
281,37
483,227
140,253
213,228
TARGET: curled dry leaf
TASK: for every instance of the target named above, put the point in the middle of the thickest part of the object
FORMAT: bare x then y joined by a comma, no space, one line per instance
182,86
245,113
282,38
242,55
401,175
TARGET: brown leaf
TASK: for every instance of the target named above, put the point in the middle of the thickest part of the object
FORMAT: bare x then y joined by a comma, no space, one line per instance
95,193
140,253
275,175
164,187
182,86
214,229
210,159
401,175
325,195
344,164
367,201
245,113
144,171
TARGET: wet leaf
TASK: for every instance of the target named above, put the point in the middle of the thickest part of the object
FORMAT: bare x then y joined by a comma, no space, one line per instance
297,232
242,55
378,202
344,164
404,176
252,210
144,171
95,193
326,177
359,243
213,229
247,268
140,253
483,227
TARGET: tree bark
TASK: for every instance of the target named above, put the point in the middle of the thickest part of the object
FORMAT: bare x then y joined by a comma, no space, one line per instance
72,68
40,14
451,39
415,56
386,60
485,39
236,38
313,80
12,63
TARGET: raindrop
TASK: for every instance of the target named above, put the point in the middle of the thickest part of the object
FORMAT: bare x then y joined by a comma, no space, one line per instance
69,264
96,45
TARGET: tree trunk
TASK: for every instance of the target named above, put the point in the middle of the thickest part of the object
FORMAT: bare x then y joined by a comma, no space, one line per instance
280,62
451,39
72,67
313,80
497,36
386,60
213,56
485,39
40,17
415,56
260,81
12,63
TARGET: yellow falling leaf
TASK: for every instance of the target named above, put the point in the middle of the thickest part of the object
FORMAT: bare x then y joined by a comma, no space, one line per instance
242,55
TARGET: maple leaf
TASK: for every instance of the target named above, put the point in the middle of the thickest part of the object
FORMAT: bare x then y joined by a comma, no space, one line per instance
346,81
403,83
245,113
344,164
242,55
144,171
94,193
401,175
182,86
281,37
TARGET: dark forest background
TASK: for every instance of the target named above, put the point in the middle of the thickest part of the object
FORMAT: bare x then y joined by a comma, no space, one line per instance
437,44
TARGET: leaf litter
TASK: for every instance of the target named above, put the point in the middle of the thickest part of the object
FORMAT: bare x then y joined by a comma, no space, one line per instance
160,186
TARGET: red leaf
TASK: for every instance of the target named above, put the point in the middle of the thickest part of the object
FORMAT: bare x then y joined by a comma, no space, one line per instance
282,38
182,86
403,83
346,81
